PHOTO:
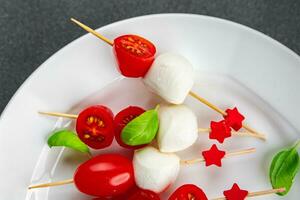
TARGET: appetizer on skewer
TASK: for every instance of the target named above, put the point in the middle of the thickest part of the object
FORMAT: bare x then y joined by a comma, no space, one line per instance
190,191
150,170
171,77
175,127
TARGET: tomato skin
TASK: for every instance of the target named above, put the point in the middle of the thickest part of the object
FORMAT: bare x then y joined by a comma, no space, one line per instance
135,193
105,175
94,126
144,194
131,63
120,121
183,192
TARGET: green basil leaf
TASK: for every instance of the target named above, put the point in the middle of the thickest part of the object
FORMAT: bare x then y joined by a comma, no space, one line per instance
66,138
142,129
284,167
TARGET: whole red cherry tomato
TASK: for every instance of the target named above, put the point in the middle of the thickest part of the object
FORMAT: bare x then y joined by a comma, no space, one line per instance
123,118
94,126
188,192
134,55
106,175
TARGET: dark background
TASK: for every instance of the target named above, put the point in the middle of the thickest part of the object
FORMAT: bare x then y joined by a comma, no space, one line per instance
32,30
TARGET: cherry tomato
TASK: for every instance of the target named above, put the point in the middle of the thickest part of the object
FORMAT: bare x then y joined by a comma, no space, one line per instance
134,193
94,126
123,118
134,55
188,192
106,175
143,194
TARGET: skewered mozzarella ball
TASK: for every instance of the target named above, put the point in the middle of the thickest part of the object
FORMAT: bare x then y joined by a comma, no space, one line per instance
178,128
155,170
171,77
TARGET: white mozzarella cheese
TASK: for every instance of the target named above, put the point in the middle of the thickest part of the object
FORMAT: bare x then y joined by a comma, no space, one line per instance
154,170
178,128
171,77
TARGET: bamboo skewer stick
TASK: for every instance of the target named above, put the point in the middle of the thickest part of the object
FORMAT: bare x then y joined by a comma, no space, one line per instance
222,112
258,193
88,29
64,182
246,133
209,104
228,154
212,106
58,114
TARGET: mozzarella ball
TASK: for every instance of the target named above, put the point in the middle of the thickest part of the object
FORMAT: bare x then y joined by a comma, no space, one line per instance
154,170
178,128
171,77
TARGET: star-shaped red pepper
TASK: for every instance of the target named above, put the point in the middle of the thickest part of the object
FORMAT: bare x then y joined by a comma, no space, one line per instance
219,131
234,119
235,193
213,156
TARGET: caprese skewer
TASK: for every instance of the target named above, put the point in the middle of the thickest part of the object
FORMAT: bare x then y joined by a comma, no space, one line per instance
169,75
178,127
113,174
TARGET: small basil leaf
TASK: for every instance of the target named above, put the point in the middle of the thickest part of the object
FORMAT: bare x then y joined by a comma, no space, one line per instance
284,167
66,138
142,129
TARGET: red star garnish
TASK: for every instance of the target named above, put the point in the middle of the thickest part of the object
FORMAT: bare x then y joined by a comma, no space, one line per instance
219,131
235,193
234,119
213,156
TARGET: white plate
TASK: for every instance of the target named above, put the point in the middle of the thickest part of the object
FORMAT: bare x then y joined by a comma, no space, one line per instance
236,65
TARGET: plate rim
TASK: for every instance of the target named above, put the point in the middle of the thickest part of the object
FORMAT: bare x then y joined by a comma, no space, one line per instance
107,26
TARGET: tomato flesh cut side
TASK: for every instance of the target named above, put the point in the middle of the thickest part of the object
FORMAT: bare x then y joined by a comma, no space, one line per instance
94,126
134,193
134,55
122,119
106,176
188,192
144,194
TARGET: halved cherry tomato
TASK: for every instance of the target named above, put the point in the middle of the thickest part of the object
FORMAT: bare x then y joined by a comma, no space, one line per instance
95,127
105,176
134,193
141,194
134,55
188,192
123,118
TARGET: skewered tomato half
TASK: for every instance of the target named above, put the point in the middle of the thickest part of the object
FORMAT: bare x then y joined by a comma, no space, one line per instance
134,193
188,192
106,175
122,119
134,55
143,194
94,126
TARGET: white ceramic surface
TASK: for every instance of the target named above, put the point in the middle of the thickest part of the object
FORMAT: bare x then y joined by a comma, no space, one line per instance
236,65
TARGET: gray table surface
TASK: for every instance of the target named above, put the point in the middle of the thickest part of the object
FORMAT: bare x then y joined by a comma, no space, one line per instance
33,30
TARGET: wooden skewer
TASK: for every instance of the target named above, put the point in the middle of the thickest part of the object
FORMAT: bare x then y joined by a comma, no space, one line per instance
183,162
103,38
57,114
260,136
228,154
64,182
88,29
258,193
222,112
